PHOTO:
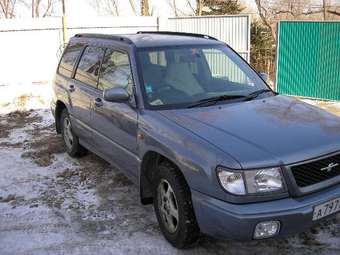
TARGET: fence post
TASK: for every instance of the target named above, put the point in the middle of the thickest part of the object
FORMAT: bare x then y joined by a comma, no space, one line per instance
162,23
64,24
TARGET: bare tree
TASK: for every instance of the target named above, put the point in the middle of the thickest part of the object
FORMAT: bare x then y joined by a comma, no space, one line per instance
181,11
265,16
330,9
334,12
196,6
106,7
7,8
41,8
325,6
173,6
133,6
113,8
144,4
199,7
271,12
207,7
193,7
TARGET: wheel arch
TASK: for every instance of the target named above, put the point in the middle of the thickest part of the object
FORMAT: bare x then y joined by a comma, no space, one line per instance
60,106
149,164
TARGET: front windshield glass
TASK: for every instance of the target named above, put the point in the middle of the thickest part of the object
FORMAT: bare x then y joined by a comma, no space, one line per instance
183,77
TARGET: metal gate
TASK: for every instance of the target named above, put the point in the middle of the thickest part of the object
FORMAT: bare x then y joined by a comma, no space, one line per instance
308,59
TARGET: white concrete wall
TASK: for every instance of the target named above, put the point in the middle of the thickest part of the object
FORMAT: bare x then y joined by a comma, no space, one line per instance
29,48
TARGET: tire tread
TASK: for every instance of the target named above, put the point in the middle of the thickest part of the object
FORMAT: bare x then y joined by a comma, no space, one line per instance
191,235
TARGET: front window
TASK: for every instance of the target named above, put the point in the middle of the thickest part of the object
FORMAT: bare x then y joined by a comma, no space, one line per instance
196,77
115,71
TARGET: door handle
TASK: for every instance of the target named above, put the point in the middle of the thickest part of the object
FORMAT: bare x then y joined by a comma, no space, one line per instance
98,102
71,88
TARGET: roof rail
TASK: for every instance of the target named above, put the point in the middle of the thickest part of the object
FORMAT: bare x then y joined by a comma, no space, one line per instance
177,33
106,36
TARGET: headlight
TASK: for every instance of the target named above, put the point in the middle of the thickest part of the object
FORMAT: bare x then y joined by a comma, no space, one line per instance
251,182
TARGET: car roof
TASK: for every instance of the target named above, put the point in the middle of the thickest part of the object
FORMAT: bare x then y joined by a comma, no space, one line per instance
156,39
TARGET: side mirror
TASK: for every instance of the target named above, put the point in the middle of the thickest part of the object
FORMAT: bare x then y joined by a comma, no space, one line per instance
116,95
264,76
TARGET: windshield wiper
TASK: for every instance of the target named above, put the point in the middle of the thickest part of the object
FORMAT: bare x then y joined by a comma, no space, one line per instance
214,100
255,94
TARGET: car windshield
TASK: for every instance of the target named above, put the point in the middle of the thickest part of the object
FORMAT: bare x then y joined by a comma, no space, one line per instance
189,77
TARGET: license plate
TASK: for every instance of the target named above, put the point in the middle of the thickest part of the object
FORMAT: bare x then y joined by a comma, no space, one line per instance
327,208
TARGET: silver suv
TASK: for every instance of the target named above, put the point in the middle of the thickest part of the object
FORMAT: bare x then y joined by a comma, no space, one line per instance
199,131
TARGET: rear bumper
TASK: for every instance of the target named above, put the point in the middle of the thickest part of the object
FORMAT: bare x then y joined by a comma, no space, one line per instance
237,221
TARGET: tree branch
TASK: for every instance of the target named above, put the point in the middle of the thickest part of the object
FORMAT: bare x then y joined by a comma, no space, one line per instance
290,12
312,12
334,12
264,19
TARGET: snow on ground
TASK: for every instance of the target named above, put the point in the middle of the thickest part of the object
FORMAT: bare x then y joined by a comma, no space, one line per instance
53,204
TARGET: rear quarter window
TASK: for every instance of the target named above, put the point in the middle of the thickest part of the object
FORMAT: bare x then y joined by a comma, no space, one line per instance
69,58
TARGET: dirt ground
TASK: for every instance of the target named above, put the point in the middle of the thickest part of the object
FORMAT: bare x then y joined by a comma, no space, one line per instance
85,206
330,106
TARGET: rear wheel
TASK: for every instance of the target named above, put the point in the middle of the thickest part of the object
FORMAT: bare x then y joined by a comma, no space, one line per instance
173,207
71,142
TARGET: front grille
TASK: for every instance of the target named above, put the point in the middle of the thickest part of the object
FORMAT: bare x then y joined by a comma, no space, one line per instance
311,173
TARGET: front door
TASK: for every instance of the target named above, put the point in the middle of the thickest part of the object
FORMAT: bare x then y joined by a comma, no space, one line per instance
115,124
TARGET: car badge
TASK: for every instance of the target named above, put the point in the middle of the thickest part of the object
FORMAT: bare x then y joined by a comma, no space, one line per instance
329,167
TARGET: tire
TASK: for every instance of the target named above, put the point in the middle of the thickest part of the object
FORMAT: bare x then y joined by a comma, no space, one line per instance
70,140
173,207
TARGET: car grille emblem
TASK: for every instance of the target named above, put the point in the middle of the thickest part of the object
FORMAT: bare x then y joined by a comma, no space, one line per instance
329,167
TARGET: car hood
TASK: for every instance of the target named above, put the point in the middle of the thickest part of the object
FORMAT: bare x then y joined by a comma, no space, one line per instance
274,131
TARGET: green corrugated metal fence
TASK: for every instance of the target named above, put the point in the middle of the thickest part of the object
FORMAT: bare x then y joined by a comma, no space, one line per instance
308,59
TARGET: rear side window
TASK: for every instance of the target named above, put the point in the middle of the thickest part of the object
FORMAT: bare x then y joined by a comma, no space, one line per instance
69,59
89,64
115,71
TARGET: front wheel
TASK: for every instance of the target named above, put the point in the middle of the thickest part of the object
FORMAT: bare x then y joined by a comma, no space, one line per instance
173,207
71,142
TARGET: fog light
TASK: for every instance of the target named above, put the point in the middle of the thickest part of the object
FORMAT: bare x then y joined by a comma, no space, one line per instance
266,229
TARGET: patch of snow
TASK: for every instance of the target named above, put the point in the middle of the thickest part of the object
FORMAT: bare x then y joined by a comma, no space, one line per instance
37,96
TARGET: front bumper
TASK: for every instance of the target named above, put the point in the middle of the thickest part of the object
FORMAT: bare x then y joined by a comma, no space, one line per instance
219,219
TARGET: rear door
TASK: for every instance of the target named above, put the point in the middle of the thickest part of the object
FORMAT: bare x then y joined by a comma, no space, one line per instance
115,124
70,92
